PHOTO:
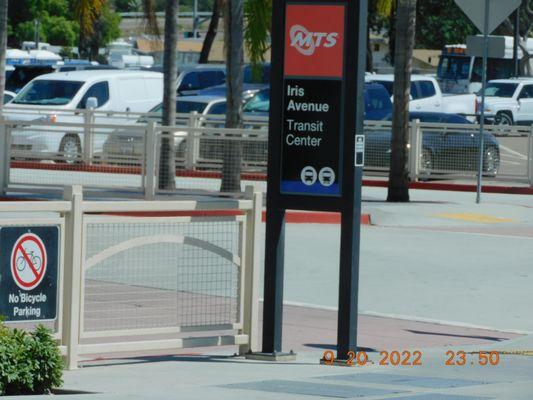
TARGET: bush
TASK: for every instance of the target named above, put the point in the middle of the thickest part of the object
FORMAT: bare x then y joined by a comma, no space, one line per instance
30,363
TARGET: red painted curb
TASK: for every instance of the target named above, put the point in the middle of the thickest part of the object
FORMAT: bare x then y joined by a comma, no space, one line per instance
455,187
135,170
297,217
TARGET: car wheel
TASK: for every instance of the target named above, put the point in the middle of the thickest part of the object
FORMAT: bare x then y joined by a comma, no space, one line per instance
491,161
504,119
70,149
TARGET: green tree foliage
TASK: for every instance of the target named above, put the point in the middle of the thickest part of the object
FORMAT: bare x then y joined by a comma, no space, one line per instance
137,5
55,17
60,31
258,15
58,24
441,22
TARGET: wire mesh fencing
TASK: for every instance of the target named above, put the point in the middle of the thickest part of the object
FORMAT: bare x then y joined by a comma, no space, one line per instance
453,151
168,273
198,153
58,154
206,154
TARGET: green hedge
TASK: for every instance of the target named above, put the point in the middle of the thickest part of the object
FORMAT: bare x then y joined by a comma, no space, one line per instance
30,362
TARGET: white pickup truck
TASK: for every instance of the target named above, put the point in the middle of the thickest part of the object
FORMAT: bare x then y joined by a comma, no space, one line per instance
509,101
426,95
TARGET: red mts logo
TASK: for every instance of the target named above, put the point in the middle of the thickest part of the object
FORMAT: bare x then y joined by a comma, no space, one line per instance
314,40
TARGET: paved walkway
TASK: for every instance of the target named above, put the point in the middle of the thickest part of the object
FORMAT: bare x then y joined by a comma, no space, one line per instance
440,258
221,377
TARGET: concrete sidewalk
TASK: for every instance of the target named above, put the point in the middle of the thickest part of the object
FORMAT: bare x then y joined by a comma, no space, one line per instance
440,258
221,377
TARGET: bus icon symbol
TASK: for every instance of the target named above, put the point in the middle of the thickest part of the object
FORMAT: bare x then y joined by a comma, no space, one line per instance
326,176
308,176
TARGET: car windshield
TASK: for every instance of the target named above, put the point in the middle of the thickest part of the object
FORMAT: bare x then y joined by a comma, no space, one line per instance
260,102
48,92
500,89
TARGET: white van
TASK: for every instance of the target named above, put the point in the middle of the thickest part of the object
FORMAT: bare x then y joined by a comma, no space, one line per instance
51,96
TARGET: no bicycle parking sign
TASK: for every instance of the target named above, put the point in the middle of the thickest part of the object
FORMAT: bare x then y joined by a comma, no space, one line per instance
29,259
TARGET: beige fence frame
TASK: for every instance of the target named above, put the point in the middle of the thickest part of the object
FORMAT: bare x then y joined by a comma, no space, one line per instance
73,216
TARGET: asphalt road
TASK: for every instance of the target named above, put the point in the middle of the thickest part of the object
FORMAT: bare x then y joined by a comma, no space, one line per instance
439,258
514,154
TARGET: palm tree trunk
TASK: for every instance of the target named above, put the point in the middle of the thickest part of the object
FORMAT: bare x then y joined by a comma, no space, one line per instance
211,32
234,42
405,40
167,169
3,48
369,55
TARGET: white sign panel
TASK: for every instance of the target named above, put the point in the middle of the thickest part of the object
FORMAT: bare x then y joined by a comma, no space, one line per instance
359,150
499,10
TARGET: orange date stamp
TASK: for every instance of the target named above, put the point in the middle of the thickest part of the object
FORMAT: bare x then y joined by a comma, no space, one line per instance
412,358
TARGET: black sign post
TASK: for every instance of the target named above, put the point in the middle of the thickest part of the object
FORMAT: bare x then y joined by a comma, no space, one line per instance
318,64
29,265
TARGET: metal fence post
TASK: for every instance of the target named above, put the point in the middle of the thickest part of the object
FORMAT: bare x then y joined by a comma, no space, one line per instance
72,275
251,276
415,134
88,125
5,153
150,160
193,148
530,156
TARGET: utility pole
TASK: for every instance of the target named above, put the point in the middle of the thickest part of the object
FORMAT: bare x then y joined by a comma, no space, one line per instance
516,60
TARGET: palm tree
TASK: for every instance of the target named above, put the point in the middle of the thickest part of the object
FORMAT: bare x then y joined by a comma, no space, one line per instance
167,168
3,49
233,43
405,39
211,31
87,13
254,36
258,15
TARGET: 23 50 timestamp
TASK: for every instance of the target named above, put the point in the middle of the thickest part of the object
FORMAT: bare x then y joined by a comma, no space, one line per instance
413,358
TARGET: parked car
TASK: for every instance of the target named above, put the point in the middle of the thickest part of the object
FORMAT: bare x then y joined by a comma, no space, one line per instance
23,74
248,90
378,105
509,101
48,97
251,84
123,144
426,95
191,79
443,149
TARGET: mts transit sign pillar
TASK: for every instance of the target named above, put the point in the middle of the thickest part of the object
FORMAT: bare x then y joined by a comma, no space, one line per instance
317,78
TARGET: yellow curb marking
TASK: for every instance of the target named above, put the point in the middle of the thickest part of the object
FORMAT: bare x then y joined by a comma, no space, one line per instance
481,218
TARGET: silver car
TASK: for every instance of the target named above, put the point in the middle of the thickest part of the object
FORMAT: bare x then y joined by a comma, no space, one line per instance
125,145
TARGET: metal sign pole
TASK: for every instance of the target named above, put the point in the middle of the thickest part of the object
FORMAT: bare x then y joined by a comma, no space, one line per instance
515,43
482,114
317,78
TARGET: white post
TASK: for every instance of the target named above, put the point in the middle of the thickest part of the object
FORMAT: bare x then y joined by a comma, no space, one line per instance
150,160
193,148
5,153
415,139
88,126
72,275
251,276
530,157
